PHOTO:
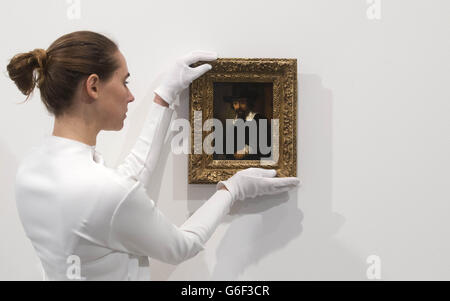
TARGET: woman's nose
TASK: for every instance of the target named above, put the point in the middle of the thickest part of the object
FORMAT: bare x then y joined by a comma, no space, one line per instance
131,98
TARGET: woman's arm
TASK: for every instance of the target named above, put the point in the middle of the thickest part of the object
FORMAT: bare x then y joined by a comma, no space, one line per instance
139,227
141,161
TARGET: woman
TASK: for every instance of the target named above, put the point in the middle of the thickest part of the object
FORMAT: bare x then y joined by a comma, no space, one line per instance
88,221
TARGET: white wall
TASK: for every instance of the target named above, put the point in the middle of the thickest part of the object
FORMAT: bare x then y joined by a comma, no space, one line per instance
373,131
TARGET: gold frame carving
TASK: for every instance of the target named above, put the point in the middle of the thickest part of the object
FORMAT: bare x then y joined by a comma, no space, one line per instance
283,74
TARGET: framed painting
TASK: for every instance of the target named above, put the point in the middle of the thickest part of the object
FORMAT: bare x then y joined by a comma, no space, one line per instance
243,113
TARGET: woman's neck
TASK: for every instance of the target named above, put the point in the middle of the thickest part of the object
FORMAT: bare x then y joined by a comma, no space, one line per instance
74,128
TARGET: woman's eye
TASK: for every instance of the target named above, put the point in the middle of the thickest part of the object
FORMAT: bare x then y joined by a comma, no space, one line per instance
126,83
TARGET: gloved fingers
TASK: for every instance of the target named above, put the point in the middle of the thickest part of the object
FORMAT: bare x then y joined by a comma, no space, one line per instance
281,189
267,173
261,172
288,182
198,71
199,55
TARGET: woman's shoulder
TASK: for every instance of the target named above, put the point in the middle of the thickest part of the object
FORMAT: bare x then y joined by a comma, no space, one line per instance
74,180
114,180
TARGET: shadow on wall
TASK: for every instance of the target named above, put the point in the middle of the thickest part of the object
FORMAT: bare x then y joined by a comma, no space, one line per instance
316,254
259,227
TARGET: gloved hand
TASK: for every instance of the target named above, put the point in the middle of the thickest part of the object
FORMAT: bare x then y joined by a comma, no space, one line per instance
180,75
252,182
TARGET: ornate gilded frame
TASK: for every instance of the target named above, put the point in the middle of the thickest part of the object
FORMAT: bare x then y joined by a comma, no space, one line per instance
283,74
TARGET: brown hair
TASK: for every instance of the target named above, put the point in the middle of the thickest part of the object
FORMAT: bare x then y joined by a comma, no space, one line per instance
69,60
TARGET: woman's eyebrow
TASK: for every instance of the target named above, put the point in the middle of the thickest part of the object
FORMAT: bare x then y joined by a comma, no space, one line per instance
127,75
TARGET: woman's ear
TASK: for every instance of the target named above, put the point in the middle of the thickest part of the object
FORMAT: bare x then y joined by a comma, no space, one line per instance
88,90
92,85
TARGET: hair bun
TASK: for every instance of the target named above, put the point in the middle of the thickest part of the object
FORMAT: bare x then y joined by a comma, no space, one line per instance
41,57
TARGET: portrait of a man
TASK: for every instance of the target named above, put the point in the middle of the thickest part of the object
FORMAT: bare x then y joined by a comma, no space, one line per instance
243,113
248,109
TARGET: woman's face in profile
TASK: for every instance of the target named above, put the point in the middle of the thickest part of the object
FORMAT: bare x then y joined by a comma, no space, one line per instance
114,96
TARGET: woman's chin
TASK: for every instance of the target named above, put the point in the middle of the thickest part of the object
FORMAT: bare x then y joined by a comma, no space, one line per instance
117,127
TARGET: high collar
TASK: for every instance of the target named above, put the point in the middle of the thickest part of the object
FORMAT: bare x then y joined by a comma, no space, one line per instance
59,142
249,117
71,141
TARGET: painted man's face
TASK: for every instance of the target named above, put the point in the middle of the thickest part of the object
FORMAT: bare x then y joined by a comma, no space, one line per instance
240,107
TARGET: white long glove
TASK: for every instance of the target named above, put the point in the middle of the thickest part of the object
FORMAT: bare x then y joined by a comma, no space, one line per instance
253,182
180,75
